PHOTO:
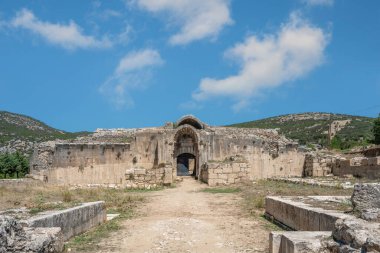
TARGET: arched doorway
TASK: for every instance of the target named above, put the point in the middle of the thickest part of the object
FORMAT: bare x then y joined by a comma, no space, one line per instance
186,151
186,164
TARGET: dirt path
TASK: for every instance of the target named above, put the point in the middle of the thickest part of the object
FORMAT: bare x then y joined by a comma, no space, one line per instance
184,219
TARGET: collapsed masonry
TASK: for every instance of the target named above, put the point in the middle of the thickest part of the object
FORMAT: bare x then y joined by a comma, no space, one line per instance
365,164
322,229
150,156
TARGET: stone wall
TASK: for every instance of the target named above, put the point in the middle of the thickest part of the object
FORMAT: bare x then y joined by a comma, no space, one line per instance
148,156
361,167
225,173
318,165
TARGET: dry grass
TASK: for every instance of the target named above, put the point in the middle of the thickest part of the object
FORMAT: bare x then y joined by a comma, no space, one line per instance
221,190
47,197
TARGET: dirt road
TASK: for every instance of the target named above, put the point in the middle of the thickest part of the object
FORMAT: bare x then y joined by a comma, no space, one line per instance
185,219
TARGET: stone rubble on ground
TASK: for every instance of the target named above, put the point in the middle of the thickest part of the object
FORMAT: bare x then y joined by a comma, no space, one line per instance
356,234
16,238
366,201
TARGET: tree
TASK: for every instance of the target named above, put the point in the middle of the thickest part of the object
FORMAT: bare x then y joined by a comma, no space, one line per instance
336,142
7,164
15,163
20,163
376,130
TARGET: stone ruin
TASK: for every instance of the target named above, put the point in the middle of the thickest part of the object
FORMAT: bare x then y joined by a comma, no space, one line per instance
146,157
362,164
46,232
16,238
324,230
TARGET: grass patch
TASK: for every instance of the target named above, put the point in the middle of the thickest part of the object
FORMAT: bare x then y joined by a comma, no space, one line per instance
152,189
88,240
222,190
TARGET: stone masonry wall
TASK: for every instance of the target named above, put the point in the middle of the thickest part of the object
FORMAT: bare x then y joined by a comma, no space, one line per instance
361,167
225,173
150,156
317,165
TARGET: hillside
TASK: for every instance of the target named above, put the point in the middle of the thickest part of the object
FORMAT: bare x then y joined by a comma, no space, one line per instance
20,132
312,128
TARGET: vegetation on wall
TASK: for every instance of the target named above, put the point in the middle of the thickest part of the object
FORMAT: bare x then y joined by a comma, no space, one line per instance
376,130
13,165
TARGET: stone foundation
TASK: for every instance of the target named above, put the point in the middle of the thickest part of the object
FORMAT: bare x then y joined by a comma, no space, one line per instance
298,215
72,221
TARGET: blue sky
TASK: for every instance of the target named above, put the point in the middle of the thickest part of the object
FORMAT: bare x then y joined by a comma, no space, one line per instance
82,65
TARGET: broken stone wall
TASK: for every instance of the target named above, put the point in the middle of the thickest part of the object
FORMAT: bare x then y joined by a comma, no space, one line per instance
361,167
318,165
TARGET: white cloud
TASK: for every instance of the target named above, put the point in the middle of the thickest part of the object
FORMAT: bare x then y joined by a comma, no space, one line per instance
132,72
268,62
139,60
318,2
197,19
68,36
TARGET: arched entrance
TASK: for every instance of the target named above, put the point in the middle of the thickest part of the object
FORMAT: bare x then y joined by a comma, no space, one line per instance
186,151
186,165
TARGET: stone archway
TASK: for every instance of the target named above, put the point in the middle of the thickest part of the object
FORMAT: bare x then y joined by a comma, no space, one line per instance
186,164
186,153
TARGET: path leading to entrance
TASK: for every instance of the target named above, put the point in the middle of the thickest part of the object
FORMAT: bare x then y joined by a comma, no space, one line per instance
184,219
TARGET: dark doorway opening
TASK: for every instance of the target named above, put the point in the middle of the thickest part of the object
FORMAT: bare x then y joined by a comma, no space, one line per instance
186,165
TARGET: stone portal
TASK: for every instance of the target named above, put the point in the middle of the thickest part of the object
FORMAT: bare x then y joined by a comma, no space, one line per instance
186,151
186,165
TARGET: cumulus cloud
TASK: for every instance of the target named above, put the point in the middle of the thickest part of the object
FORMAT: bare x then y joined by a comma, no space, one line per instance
132,72
68,36
197,19
268,62
318,2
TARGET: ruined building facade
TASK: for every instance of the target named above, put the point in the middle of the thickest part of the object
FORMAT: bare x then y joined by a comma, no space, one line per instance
151,156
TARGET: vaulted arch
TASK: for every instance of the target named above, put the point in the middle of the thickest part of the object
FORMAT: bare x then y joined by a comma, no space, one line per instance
190,120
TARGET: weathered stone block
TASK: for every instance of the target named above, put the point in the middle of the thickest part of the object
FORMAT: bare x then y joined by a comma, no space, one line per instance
222,176
168,175
72,221
16,238
366,200
212,182
358,234
217,171
139,171
227,169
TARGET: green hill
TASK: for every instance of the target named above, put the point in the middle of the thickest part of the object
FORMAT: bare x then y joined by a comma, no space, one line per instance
312,128
20,132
